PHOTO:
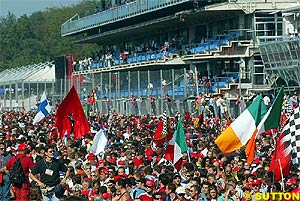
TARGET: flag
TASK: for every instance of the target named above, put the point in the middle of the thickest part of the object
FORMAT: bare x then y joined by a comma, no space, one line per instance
270,121
177,146
241,130
158,138
99,142
164,129
43,110
287,147
161,130
70,117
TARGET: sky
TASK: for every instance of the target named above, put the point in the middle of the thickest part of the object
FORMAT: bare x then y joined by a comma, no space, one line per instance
21,7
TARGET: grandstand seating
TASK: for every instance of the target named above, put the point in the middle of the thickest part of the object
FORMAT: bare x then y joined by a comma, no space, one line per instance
211,44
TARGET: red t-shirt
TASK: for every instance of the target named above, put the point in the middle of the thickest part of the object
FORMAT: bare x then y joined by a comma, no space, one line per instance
26,162
145,197
88,192
137,162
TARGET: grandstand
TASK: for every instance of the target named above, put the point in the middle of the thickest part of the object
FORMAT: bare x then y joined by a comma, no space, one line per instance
212,46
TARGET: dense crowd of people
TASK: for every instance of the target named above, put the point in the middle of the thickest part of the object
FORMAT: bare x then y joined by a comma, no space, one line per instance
133,166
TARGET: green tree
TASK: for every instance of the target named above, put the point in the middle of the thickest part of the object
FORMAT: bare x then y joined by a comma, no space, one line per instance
36,38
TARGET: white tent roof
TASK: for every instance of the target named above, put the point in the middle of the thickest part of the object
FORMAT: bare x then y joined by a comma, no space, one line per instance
31,73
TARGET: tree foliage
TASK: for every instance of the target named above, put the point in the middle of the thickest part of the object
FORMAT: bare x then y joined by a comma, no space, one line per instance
36,38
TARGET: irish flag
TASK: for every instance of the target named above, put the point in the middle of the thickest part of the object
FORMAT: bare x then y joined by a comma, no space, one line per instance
177,146
243,128
270,121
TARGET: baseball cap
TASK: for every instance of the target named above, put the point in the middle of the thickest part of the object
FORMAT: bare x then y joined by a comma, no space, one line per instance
188,185
176,175
256,182
91,156
150,183
180,190
22,147
121,163
106,195
230,182
291,181
104,171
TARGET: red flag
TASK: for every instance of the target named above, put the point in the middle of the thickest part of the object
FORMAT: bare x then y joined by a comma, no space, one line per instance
281,159
158,137
70,110
287,146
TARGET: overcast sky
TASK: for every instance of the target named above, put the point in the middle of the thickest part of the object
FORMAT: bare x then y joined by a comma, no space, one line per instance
21,7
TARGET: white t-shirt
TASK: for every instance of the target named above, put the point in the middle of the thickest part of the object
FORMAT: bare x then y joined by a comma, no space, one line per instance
266,100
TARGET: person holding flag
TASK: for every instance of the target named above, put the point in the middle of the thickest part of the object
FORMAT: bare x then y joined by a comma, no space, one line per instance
256,119
70,118
177,146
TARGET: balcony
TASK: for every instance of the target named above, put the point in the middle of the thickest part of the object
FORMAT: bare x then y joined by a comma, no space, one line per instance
133,9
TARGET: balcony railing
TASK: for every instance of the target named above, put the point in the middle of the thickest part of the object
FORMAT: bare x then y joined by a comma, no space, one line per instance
115,14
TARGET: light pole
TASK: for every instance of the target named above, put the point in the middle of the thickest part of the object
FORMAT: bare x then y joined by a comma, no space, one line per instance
240,73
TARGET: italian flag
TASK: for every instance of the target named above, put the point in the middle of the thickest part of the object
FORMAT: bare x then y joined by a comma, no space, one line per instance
243,128
270,121
177,145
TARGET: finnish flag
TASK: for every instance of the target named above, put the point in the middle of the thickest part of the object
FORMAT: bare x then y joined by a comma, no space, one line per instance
43,110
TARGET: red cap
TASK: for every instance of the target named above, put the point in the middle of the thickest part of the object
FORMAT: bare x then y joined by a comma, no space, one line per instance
256,182
291,181
106,195
104,171
197,155
88,179
22,147
102,161
150,183
121,163
236,168
91,156
257,160
116,178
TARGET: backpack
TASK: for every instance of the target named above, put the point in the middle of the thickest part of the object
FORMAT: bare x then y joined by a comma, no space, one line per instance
17,174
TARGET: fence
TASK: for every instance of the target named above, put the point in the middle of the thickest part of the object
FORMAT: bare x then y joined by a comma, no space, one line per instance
127,92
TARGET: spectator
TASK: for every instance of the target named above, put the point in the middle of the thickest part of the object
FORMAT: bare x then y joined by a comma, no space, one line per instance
148,195
134,105
157,196
150,88
22,192
5,184
49,180
122,193
139,189
170,192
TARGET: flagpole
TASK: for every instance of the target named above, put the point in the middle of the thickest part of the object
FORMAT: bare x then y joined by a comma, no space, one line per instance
280,166
188,155
281,172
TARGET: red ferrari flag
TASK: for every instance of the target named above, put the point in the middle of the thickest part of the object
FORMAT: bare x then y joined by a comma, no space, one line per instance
70,117
287,150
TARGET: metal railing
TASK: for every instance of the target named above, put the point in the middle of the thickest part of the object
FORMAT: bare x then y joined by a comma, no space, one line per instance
115,14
